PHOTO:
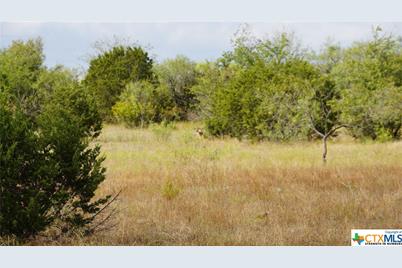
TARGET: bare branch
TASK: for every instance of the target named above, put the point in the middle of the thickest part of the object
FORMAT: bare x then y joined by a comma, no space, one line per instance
108,204
314,128
335,129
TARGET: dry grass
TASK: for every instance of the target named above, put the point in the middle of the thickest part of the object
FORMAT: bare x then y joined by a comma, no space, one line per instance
180,189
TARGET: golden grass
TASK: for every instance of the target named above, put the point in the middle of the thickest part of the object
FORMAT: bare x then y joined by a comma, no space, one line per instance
180,189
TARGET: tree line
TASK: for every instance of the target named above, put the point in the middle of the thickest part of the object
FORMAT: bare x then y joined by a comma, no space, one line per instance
262,89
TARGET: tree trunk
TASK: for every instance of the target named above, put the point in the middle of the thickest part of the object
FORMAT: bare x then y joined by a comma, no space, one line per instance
324,152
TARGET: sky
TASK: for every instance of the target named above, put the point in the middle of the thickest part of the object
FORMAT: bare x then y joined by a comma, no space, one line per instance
71,44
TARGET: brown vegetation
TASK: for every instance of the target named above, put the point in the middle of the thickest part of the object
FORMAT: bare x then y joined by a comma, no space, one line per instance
182,190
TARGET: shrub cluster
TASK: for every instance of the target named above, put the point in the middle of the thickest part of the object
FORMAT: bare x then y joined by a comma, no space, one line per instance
49,171
277,91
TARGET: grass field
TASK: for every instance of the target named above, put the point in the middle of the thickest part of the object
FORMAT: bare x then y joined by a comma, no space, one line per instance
180,189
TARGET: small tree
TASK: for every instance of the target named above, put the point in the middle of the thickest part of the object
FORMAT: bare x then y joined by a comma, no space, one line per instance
322,118
179,75
320,109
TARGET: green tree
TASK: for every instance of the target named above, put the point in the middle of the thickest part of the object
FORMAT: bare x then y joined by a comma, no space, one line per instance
109,73
50,81
288,85
319,111
20,67
248,50
179,74
369,79
234,107
319,104
264,100
211,77
330,56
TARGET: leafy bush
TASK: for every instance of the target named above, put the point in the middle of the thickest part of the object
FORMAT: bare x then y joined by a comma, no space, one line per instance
21,65
170,191
179,75
265,97
264,102
142,103
211,77
383,135
25,176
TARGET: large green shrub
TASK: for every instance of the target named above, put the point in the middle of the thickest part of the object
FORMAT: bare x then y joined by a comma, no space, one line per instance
49,170
21,65
264,102
110,72
49,173
211,77
142,103
25,176
266,96
179,75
